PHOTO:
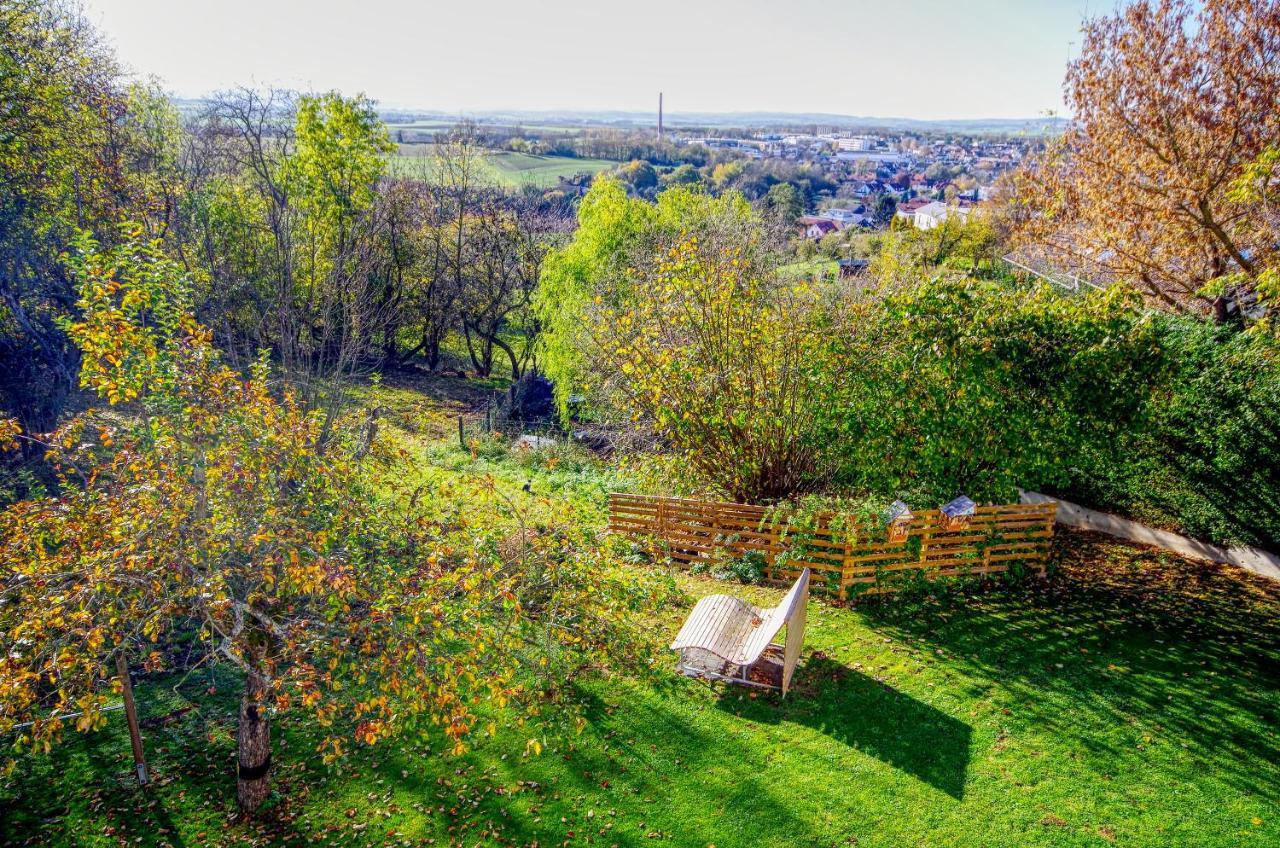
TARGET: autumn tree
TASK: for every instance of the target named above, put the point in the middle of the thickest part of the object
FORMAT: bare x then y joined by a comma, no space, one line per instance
784,202
727,361
507,239
1171,101
638,174
726,175
280,229
885,208
460,254
670,315
329,321
206,504
615,233
460,179
685,174
1259,185
425,252
907,254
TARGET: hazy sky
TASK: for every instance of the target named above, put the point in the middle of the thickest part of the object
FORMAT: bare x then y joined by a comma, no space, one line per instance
899,58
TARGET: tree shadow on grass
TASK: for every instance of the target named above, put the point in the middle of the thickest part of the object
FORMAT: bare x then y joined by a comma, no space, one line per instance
110,804
1123,648
648,750
871,717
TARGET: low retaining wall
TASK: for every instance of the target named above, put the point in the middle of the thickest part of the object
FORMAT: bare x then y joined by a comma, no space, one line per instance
1253,559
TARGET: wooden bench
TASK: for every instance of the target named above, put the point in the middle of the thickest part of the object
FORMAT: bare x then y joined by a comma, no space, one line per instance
726,638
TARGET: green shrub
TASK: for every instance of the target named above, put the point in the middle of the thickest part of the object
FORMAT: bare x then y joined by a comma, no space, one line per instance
981,387
1204,457
749,567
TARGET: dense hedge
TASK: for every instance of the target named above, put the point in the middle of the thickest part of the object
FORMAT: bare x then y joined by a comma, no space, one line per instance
979,387
983,387
1205,456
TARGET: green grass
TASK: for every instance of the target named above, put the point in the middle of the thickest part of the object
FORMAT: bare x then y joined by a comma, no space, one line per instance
1132,698
510,169
818,267
563,129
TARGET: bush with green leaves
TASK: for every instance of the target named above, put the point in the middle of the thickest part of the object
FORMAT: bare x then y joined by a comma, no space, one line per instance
987,387
1203,457
982,387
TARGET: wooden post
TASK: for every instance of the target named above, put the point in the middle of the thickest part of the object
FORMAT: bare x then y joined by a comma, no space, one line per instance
462,441
846,567
718,543
131,714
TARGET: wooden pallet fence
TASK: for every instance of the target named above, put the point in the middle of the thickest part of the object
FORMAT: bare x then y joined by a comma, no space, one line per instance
846,559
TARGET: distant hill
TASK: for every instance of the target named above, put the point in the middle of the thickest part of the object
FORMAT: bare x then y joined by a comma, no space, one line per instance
709,120
781,120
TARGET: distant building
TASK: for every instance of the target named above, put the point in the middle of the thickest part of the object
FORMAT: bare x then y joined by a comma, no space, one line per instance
842,217
907,208
857,143
885,156
934,214
815,228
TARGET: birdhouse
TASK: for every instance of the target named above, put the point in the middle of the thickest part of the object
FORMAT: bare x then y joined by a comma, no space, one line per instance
957,514
897,520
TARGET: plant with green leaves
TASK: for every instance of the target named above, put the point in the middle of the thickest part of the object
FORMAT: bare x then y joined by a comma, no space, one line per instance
723,359
615,234
979,388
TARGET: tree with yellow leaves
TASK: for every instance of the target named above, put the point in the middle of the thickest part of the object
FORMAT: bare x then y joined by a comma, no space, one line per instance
672,314
210,502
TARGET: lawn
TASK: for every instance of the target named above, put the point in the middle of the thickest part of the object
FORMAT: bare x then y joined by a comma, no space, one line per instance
1131,698
509,169
817,267
448,124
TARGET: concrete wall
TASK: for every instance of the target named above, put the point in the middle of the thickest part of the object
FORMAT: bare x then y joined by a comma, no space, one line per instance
1253,559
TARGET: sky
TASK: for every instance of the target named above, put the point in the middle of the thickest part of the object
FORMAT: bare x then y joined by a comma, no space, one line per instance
928,59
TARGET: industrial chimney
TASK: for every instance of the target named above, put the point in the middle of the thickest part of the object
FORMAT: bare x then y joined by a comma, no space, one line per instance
659,116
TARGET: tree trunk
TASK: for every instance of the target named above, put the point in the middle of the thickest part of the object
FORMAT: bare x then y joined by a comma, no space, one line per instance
511,354
483,361
254,741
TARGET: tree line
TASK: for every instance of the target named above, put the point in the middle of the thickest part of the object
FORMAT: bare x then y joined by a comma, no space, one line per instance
277,204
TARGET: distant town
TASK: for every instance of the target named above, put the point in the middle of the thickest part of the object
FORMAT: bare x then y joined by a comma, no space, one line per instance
840,177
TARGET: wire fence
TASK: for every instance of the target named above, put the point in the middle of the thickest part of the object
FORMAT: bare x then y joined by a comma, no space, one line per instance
1065,280
499,418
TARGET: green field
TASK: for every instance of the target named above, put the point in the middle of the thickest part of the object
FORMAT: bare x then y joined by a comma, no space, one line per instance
819,267
441,124
509,169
